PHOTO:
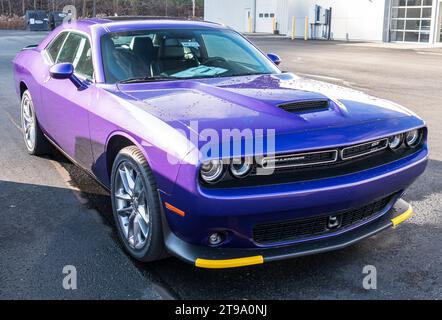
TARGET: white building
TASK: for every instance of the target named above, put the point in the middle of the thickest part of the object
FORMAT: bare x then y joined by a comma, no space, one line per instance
366,20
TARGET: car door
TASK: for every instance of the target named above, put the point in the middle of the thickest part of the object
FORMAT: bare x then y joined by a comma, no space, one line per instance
66,109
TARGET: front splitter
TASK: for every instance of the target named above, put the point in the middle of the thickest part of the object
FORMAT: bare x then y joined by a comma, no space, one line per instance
220,258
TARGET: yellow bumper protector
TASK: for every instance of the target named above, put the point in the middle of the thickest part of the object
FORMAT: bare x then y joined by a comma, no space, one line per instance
401,218
230,263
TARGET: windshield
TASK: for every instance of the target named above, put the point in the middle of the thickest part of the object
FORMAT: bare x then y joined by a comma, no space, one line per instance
180,54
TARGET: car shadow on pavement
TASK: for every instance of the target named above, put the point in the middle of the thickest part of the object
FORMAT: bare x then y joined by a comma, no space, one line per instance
43,229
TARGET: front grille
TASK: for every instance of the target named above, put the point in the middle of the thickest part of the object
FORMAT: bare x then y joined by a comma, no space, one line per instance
300,160
316,226
364,149
321,158
305,106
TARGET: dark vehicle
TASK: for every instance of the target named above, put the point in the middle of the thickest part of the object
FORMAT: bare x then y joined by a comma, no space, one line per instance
37,20
56,19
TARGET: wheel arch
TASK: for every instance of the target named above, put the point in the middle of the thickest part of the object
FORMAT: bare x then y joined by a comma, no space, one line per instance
23,87
165,175
116,142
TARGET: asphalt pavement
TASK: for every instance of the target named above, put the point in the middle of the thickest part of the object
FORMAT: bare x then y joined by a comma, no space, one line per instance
53,214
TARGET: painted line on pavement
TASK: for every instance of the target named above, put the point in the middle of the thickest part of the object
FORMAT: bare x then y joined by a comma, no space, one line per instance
327,78
429,53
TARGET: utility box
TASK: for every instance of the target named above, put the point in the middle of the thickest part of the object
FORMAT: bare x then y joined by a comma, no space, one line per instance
56,19
37,20
318,15
320,22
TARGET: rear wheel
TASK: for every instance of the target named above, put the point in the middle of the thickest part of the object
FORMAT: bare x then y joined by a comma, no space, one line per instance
35,141
136,206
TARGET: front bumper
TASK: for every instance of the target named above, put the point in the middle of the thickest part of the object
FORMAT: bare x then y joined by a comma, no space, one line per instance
220,258
236,212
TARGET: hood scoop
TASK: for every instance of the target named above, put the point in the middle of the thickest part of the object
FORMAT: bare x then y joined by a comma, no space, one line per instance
306,106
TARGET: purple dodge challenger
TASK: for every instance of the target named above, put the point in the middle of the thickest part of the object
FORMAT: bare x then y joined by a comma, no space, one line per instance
210,152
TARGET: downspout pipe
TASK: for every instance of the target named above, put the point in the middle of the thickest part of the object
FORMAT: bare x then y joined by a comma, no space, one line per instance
254,15
330,18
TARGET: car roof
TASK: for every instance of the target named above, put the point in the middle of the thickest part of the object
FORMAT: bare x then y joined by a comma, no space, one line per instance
126,23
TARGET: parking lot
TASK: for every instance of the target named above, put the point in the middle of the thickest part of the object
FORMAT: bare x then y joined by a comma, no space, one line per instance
52,214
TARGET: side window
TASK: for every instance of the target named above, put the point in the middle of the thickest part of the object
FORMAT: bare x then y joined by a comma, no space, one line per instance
83,61
69,50
55,46
77,50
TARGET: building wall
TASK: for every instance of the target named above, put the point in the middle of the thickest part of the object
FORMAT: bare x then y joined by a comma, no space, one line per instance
436,26
229,12
366,20
266,13
438,18
282,10
352,19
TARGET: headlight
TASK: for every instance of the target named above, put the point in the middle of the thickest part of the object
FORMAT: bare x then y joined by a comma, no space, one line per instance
396,141
212,170
413,138
241,167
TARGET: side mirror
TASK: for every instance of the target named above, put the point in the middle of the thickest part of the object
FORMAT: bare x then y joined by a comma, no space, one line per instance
63,71
275,58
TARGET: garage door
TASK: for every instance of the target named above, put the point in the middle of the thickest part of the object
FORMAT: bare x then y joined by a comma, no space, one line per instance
265,12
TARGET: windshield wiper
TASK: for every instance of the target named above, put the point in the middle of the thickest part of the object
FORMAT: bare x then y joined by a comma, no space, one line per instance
147,79
250,74
170,78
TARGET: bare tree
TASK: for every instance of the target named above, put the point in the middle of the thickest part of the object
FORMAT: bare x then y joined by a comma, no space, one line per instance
108,7
116,6
84,10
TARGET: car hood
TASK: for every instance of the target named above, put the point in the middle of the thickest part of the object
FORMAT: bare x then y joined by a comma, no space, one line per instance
252,102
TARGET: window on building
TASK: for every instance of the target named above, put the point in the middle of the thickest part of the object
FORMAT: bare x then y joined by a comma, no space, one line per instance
411,20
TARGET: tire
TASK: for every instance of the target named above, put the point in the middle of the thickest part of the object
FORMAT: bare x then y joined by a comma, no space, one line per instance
132,176
35,141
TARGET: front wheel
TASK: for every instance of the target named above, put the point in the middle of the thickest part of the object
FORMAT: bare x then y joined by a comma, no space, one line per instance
136,206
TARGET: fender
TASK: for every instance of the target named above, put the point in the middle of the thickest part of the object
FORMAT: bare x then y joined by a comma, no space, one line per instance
164,185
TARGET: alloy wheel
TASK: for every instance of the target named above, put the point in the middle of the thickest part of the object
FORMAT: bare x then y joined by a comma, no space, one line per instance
131,205
28,122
